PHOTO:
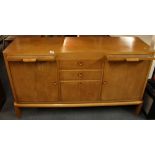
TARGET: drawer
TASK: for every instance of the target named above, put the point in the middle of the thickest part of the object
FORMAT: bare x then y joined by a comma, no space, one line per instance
80,91
80,75
80,64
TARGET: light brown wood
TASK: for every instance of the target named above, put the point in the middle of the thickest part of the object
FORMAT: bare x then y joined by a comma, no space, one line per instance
81,64
124,80
70,91
80,90
30,60
80,75
63,45
90,90
76,72
131,58
34,81
77,104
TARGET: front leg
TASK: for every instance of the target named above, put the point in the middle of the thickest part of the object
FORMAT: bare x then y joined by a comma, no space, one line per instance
18,111
138,109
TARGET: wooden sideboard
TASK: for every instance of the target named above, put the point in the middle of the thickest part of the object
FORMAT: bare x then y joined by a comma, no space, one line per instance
78,71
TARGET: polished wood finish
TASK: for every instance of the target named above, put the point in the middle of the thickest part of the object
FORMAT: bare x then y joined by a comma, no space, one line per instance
80,64
76,72
76,104
124,80
39,78
108,45
80,75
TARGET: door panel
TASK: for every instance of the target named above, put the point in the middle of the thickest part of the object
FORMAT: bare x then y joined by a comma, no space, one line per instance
34,82
124,80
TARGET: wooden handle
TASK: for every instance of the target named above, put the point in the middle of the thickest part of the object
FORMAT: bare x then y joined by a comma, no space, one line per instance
132,59
29,60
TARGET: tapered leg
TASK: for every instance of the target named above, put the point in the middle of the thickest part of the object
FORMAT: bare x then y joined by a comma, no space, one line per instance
138,109
18,111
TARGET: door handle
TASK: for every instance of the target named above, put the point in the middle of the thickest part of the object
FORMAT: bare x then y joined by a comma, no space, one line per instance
29,60
132,59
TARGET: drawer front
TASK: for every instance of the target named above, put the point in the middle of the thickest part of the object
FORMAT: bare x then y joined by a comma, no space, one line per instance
80,75
80,64
80,90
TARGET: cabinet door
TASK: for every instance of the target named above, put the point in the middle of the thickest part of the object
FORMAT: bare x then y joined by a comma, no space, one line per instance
70,91
124,80
34,81
90,90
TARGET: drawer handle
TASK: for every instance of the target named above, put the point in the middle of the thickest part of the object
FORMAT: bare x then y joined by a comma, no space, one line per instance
80,63
105,82
54,83
29,60
80,75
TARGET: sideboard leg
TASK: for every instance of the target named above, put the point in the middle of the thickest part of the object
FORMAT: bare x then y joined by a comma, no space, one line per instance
138,109
18,111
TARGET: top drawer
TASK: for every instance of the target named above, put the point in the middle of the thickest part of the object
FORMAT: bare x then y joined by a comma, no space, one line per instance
80,64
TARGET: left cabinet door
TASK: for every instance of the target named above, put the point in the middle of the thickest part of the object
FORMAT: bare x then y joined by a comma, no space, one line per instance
34,81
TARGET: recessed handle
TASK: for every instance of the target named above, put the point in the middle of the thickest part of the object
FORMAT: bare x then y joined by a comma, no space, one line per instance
29,60
105,82
54,83
80,63
80,75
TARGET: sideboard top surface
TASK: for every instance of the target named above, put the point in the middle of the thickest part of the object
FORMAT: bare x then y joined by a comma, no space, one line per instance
106,45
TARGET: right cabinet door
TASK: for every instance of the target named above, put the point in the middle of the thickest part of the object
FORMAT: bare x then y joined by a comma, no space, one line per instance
124,80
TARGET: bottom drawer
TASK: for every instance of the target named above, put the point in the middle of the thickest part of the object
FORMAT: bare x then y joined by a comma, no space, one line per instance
80,90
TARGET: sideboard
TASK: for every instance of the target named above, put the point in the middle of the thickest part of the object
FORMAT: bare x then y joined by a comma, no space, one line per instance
77,71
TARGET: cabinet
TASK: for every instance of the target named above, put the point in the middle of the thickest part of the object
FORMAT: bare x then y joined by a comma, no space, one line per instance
77,72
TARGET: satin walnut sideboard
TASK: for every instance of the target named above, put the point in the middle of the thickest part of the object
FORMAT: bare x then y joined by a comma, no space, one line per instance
77,71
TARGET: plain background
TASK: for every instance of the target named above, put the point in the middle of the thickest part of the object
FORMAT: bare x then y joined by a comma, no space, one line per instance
76,17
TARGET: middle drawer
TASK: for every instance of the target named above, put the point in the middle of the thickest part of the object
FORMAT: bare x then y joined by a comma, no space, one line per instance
80,75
